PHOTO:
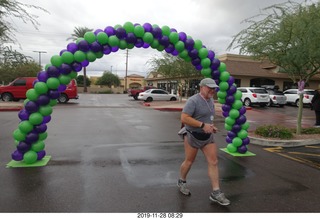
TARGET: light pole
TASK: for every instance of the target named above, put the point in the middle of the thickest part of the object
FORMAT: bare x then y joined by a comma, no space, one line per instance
40,56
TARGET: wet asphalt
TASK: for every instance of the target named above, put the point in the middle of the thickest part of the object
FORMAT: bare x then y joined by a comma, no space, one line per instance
111,154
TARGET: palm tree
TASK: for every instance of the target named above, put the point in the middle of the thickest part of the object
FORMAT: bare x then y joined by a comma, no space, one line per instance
79,32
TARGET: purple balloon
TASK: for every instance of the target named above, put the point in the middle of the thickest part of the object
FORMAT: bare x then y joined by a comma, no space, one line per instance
109,31
232,89
17,155
173,30
226,108
146,45
193,54
53,71
230,100
189,44
164,41
241,120
23,115
211,55
72,47
43,100
236,128
246,141
196,61
115,49
85,63
54,94
76,66
31,107
183,36
83,46
40,128
147,27
225,114
215,74
215,64
65,69
121,33
170,48
157,32
228,140
231,134
242,110
43,76
62,87
242,149
139,43
199,67
97,31
230,80
106,49
32,137
46,119
62,51
23,147
41,154
96,47
131,38
175,52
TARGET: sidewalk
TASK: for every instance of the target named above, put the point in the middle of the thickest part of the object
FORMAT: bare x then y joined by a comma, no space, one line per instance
10,106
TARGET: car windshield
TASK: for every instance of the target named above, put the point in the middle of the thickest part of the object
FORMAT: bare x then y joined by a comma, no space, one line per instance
310,92
275,92
147,91
258,91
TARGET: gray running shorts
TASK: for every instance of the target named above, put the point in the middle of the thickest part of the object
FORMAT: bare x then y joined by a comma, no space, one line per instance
195,143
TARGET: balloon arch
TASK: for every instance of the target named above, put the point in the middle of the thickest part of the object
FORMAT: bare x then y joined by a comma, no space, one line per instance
31,132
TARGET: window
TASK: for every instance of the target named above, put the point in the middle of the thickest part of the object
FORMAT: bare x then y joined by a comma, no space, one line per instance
20,82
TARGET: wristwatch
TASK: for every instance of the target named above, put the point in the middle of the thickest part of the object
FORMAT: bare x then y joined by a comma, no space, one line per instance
202,125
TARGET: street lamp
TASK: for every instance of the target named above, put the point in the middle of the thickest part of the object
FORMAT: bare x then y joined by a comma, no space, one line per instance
40,56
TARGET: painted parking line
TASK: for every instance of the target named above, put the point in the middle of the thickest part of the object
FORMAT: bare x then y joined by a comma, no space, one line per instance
308,155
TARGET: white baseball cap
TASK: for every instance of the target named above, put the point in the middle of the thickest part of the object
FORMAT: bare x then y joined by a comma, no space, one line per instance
209,82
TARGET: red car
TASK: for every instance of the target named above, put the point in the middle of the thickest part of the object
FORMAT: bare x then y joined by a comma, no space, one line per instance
17,89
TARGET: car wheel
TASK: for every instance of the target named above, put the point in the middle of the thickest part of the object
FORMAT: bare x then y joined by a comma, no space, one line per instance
297,103
282,105
270,103
136,96
173,99
63,98
149,99
247,102
6,97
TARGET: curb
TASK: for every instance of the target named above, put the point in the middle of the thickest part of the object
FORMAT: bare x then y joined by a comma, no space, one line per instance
10,109
283,143
168,109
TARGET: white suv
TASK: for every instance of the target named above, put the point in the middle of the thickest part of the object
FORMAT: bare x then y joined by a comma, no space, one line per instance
293,96
254,95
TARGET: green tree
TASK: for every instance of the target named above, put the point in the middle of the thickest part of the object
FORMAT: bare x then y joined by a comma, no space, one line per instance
80,81
288,36
108,79
79,32
173,67
9,72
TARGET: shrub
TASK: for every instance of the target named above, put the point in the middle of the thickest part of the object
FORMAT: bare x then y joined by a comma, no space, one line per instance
274,131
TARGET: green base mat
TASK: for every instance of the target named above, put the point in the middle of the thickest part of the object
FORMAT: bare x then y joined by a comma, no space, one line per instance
39,163
237,154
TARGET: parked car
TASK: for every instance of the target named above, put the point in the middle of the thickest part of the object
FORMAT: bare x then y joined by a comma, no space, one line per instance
254,96
277,98
156,94
17,89
135,92
293,96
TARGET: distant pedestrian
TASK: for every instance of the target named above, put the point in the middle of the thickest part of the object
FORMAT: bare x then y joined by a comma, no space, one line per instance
198,116
316,106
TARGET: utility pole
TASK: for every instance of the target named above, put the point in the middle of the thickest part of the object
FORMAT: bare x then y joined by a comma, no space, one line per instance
40,56
125,79
111,68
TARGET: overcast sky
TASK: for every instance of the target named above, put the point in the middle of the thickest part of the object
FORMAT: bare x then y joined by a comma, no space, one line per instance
214,22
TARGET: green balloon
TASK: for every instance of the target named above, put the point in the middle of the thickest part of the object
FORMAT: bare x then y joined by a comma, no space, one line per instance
230,121
35,118
206,72
43,136
184,54
129,27
123,44
30,157
18,135
245,126
165,31
45,110
79,56
223,86
227,127
237,104
102,38
90,37
41,87
38,146
99,55
25,126
114,41
234,113
198,44
148,37
222,101
138,31
242,134
160,48
56,60
238,95
117,26
222,67
237,141
205,62
231,148
222,94
53,83
91,56
64,79
53,102
179,46
155,43
203,53
174,37
224,76
32,94
79,40
67,57
73,75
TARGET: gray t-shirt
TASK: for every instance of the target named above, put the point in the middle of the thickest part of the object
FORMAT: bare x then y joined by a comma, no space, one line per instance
200,109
